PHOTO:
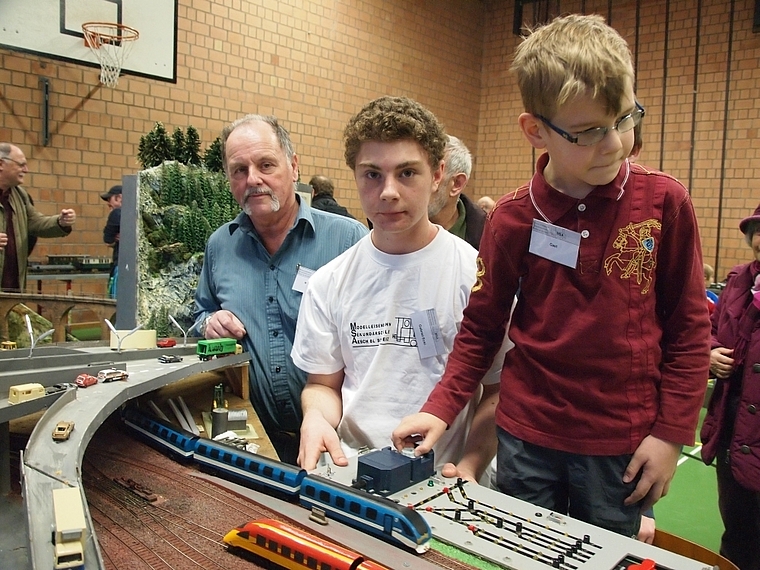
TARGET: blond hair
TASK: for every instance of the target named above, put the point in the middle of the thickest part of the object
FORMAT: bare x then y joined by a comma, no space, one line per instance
572,56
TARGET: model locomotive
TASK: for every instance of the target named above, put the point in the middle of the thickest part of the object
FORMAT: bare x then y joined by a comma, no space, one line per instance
292,548
369,513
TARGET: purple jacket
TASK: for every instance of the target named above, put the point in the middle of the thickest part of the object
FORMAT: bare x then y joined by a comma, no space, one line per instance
744,449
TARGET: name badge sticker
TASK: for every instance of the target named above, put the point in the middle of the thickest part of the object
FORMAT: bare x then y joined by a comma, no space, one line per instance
555,243
302,278
427,333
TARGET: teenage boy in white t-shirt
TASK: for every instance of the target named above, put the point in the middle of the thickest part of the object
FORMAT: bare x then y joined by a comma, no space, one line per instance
377,323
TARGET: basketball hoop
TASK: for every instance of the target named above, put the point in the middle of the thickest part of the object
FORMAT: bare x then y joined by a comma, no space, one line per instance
111,44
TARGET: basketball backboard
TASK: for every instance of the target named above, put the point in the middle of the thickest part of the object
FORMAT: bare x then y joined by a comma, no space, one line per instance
53,28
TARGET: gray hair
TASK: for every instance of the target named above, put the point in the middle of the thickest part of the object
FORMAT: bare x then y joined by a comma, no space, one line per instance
457,158
5,150
282,134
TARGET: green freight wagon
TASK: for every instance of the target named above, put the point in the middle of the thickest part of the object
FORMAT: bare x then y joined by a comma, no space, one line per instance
207,349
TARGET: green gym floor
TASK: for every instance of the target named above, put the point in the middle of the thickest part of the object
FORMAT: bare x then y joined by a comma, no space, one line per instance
690,509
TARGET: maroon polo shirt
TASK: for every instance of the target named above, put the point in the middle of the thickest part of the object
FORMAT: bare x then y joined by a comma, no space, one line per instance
606,352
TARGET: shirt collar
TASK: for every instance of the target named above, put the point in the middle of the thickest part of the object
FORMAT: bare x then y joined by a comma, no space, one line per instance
459,228
552,204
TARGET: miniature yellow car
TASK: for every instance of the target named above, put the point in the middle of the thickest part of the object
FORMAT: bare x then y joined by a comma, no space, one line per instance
62,431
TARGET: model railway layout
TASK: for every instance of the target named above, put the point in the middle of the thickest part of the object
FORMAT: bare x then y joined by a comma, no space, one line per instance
509,532
515,534
376,515
49,464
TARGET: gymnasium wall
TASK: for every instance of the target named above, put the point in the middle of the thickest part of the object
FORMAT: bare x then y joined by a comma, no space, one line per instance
697,77
314,64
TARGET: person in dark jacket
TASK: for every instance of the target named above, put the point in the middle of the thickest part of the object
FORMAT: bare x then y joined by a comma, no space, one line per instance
111,233
731,430
322,196
448,207
20,220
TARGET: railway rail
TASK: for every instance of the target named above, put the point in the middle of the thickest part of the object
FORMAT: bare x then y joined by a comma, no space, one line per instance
179,489
48,465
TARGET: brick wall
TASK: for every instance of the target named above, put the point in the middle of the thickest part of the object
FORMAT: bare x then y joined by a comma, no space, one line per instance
314,64
682,80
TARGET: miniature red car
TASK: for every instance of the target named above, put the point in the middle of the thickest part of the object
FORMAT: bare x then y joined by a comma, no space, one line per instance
84,380
166,343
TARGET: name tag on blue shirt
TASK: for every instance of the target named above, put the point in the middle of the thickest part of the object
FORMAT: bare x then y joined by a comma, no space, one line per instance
555,243
302,278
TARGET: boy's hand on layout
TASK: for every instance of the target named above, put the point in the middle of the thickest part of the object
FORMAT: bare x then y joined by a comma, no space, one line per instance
646,530
451,470
318,436
656,460
423,428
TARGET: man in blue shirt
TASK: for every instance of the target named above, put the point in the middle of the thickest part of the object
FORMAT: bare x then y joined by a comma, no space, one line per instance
256,268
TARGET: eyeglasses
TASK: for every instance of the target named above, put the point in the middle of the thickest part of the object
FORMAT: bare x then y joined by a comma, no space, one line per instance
19,164
590,137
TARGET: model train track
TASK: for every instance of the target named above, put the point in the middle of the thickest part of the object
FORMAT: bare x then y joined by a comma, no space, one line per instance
138,530
155,466
176,485
121,545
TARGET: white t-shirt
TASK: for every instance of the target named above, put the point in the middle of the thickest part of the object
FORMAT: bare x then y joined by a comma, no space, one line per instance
356,316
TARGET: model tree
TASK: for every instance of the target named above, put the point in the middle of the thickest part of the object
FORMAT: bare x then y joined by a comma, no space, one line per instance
155,147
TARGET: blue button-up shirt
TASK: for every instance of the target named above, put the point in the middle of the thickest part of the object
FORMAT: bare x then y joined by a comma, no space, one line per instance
240,276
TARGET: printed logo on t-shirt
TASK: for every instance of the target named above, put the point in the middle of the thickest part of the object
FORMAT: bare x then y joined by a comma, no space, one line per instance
635,258
400,332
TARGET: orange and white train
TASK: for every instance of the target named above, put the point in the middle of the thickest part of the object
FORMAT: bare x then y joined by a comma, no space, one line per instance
293,548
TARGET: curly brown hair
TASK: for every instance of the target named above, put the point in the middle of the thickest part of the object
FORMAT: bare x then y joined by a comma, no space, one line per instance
390,119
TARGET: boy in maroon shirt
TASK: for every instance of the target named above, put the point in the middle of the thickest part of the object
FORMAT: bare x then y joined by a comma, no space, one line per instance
611,332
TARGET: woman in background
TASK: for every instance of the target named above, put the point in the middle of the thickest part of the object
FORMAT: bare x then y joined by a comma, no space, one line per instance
731,430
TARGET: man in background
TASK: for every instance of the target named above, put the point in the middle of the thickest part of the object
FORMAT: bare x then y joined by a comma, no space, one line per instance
449,207
322,196
486,203
257,266
111,233
19,220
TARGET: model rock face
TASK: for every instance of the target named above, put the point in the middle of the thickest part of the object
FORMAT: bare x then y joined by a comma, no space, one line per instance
178,208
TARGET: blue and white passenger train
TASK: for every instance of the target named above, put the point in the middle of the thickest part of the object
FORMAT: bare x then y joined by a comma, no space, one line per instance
369,513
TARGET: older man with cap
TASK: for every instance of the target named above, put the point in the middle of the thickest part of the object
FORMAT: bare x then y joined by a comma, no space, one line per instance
19,219
111,233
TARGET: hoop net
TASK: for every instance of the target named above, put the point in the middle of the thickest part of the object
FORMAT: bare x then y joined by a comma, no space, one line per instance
111,44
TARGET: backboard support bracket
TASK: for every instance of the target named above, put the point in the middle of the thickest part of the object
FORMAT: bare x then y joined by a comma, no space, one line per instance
45,83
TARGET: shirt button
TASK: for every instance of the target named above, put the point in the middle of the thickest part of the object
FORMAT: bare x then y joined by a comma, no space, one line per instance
745,449
270,299
271,267
581,207
585,233
277,368
752,409
275,334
